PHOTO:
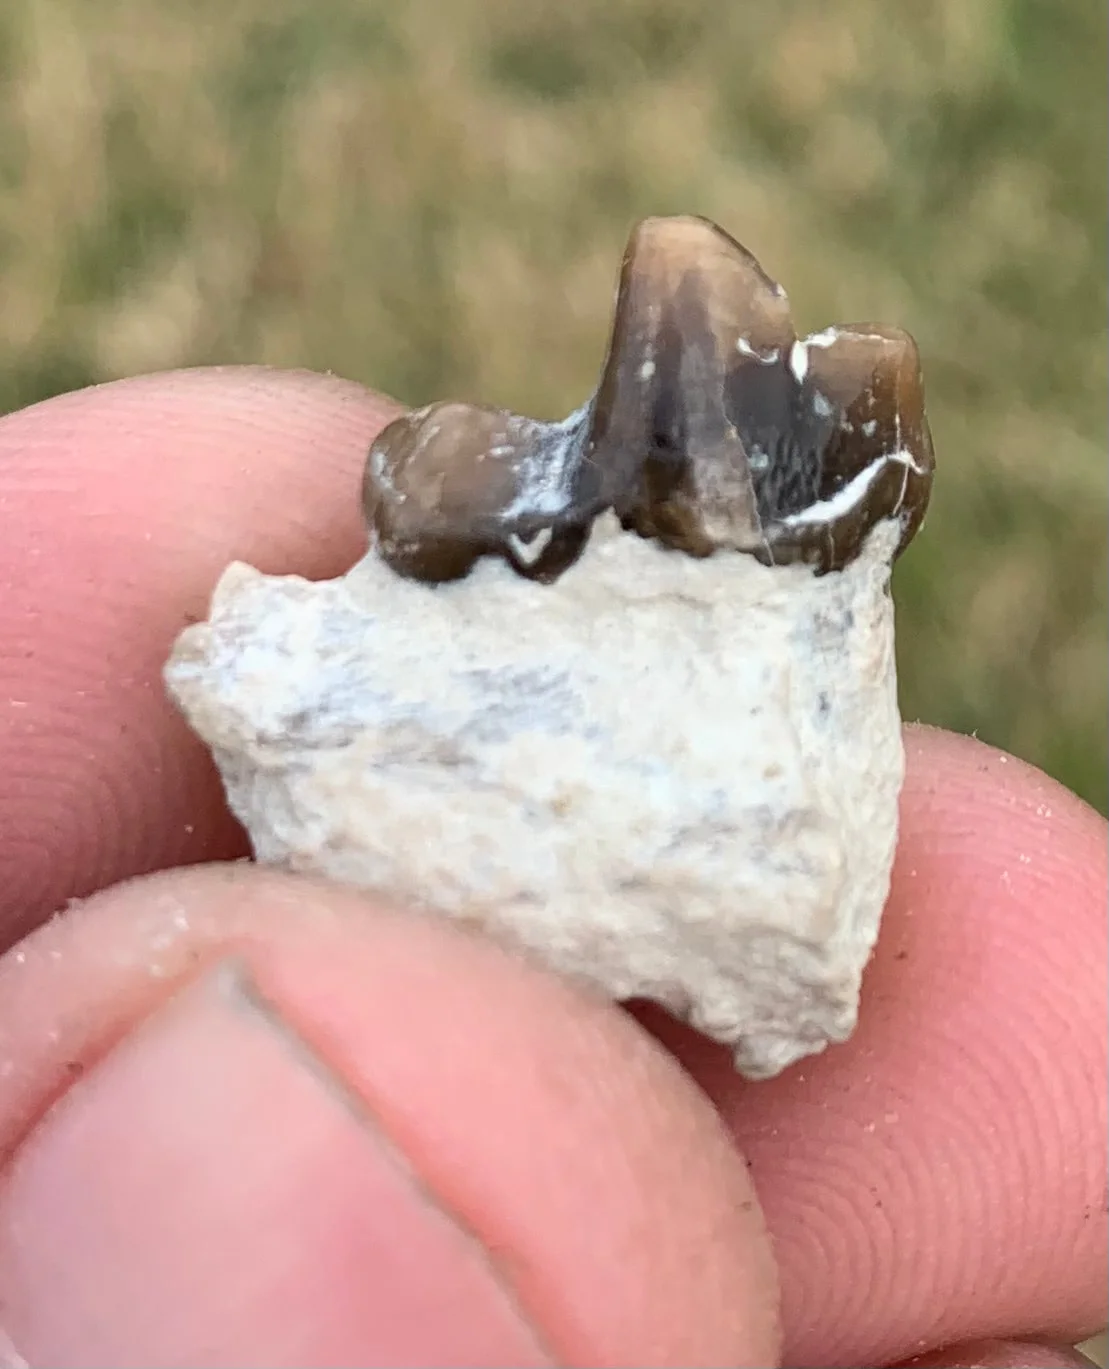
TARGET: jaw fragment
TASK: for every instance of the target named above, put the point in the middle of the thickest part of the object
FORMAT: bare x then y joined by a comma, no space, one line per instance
619,690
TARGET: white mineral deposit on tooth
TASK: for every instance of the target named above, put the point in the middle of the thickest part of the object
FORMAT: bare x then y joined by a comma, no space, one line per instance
661,753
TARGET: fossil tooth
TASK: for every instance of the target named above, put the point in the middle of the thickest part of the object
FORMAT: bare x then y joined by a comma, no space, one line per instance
713,428
861,403
453,482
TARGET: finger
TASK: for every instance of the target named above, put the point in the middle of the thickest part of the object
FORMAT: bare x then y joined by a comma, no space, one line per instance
373,1140
942,1177
121,506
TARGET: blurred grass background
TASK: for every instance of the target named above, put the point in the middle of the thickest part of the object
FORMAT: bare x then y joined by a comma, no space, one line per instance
433,198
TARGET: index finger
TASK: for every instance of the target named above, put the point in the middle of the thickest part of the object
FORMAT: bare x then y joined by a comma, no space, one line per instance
120,507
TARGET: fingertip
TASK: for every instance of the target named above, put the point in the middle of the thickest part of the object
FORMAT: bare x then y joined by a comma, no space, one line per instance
553,1128
123,504
292,1232
941,1176
950,769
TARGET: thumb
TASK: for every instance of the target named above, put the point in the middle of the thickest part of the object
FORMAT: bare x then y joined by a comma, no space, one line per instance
353,1137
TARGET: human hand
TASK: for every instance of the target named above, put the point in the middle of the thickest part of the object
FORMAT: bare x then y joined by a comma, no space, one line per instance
250,1120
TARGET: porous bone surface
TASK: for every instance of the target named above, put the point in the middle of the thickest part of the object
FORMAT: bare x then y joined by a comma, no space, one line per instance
670,778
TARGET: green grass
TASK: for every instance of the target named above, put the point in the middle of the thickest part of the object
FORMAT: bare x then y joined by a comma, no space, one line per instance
432,199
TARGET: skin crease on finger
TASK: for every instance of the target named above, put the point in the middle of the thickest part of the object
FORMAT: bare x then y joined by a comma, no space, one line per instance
942,1176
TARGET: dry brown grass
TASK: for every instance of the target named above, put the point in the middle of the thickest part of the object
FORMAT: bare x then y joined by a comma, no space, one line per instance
432,199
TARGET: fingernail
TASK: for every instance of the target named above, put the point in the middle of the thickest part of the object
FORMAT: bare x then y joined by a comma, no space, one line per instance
212,1194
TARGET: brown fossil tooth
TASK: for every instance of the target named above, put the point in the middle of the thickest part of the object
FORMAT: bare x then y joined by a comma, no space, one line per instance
417,488
692,307
749,433
714,427
876,461
450,483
